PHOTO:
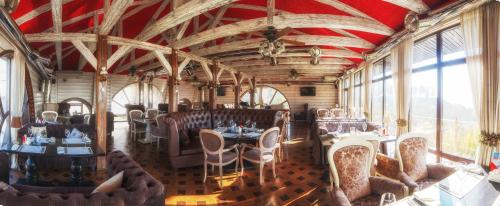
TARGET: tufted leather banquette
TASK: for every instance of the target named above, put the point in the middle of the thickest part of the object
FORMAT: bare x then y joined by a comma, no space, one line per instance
138,188
184,148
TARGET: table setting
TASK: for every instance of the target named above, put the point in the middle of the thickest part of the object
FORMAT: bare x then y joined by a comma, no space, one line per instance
231,131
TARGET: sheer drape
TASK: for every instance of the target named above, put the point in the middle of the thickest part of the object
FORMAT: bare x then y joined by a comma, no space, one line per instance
17,91
340,93
350,95
480,29
401,57
367,90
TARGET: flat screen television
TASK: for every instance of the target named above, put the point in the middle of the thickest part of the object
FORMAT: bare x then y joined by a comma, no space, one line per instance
308,91
221,91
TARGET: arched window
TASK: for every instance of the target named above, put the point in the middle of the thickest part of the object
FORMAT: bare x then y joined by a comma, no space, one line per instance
267,96
130,95
78,106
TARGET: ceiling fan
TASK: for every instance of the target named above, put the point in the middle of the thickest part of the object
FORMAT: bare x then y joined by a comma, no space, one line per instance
294,75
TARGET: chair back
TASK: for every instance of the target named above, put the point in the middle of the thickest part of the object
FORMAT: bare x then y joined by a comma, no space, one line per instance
152,113
211,141
349,162
86,119
135,114
411,153
268,140
322,113
49,116
337,112
375,141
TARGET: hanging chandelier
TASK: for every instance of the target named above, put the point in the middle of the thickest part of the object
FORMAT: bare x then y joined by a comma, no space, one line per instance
271,49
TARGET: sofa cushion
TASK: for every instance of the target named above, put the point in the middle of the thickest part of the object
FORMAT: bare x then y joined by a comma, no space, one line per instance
194,147
112,184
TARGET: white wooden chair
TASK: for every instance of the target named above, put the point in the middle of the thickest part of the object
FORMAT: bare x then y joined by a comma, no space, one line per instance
152,113
322,113
214,153
49,116
159,131
265,153
136,128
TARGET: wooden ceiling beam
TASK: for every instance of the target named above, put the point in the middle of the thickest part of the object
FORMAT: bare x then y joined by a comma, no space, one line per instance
181,14
332,68
57,28
163,61
307,39
417,6
89,56
113,14
288,20
324,53
290,61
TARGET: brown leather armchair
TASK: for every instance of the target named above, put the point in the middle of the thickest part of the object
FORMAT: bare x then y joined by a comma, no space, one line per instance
350,162
411,167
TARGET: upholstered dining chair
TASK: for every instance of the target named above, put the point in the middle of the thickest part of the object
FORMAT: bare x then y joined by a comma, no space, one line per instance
212,143
152,113
282,125
410,165
136,128
336,112
322,113
265,153
375,141
351,182
159,131
86,119
49,116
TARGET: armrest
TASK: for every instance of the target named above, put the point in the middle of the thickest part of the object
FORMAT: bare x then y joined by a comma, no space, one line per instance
322,131
408,181
387,166
244,146
381,185
235,146
339,198
439,171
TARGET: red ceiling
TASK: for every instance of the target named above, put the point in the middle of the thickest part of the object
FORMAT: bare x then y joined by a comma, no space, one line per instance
387,13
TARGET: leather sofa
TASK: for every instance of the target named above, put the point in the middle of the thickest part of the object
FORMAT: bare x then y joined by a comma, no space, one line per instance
184,148
323,127
138,188
57,131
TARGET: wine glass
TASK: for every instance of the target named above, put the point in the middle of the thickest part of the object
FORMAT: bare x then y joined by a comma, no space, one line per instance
339,128
387,199
365,126
254,125
66,133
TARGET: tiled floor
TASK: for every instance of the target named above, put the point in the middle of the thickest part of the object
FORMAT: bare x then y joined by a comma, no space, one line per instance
299,181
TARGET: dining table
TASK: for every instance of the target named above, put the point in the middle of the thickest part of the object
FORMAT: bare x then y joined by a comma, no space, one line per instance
147,133
240,135
74,148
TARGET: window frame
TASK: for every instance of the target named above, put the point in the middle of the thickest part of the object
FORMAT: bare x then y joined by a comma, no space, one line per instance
358,76
439,66
384,78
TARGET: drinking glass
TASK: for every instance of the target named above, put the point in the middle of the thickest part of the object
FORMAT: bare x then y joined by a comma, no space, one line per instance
254,125
365,126
352,130
66,133
339,128
387,199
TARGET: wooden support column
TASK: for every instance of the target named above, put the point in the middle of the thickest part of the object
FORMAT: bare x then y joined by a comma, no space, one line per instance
237,91
172,82
212,87
252,93
101,98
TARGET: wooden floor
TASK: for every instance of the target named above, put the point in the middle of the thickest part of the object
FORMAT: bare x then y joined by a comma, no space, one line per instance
299,181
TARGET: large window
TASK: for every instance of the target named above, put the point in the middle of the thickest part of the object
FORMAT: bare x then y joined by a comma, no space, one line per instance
130,95
383,108
78,106
442,104
358,83
266,96
345,93
4,98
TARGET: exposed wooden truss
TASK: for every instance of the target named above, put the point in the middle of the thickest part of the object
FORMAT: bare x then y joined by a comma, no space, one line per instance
417,6
89,56
303,53
113,14
289,61
289,20
307,39
57,27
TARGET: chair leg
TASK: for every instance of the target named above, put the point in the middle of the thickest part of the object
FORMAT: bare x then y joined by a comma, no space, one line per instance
157,143
204,171
220,174
242,166
261,173
213,170
236,168
274,167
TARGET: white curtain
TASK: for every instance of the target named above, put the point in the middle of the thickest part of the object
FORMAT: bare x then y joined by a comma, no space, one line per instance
367,90
401,57
17,90
480,29
340,93
350,94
